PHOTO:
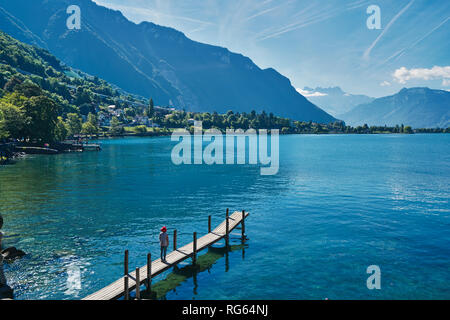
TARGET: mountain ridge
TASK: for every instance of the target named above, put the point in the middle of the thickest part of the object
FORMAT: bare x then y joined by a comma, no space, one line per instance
158,62
334,100
419,107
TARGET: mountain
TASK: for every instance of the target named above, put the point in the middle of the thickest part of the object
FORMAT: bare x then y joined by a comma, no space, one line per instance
155,61
416,107
25,68
333,100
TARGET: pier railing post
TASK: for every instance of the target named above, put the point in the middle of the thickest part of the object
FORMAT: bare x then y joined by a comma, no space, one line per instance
138,284
209,224
174,240
125,271
243,225
149,272
227,230
194,257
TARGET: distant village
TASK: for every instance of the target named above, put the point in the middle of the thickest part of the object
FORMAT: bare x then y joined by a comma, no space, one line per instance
130,117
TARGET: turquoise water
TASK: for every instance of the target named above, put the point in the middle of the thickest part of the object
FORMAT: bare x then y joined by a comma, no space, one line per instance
338,205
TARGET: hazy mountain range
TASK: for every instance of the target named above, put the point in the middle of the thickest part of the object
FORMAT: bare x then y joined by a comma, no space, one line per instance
334,100
155,61
417,107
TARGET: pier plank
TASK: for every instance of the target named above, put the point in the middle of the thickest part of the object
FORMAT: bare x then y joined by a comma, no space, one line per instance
117,289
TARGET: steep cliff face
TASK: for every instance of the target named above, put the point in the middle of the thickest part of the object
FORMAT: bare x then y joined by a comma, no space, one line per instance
155,61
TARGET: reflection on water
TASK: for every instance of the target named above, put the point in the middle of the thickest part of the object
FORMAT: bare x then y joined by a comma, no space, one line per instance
179,275
338,205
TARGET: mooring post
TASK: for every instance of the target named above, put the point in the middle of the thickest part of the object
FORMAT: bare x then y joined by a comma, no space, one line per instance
243,225
138,284
149,272
125,272
194,257
174,240
209,224
227,230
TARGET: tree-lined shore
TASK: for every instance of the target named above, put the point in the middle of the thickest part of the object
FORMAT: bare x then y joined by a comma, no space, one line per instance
43,102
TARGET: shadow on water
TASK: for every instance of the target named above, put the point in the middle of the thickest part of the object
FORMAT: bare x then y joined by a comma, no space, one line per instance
179,275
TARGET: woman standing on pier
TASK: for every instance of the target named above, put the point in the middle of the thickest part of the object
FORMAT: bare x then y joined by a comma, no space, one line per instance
164,242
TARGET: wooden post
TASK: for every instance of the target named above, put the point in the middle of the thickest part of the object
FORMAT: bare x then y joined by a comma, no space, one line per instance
138,284
227,230
194,257
209,224
125,272
174,240
149,272
243,225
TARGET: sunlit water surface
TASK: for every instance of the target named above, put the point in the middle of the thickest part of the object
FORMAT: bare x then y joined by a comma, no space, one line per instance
338,205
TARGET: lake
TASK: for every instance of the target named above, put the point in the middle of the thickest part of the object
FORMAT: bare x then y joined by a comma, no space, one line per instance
339,204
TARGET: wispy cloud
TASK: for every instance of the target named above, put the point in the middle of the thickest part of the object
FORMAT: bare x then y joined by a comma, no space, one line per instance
401,52
312,17
150,13
266,11
388,26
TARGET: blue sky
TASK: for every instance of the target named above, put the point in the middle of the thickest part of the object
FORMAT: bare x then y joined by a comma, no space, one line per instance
319,42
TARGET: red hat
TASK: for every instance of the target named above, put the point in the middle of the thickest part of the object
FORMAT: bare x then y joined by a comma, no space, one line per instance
163,229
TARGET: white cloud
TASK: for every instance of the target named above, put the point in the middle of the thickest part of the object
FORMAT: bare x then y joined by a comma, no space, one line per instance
385,84
403,74
446,82
307,93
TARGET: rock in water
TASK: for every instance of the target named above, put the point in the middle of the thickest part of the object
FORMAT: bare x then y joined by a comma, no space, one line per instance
6,292
12,253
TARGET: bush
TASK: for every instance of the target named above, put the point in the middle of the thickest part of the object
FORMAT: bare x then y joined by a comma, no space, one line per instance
140,129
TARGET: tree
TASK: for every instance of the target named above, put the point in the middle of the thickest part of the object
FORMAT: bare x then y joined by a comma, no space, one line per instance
151,109
61,130
86,108
140,129
12,121
74,124
115,127
285,130
28,89
2,81
89,129
92,119
407,129
43,115
12,83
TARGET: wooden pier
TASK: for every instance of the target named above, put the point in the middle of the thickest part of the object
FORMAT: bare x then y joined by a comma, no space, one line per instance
144,275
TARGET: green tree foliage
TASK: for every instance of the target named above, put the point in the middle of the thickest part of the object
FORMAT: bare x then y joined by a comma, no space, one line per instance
12,83
140,129
115,127
74,124
12,120
61,130
151,108
34,81
407,129
43,114
89,129
91,126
